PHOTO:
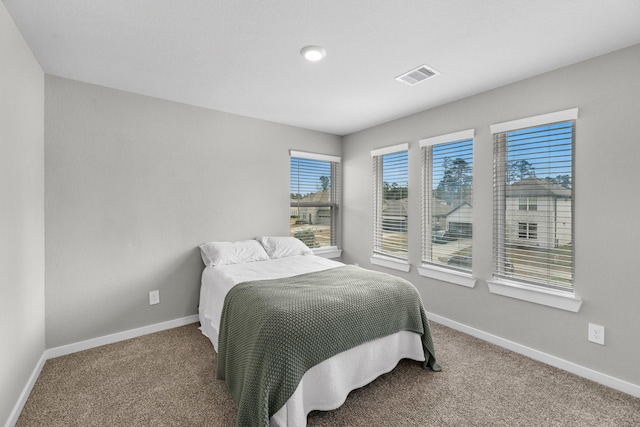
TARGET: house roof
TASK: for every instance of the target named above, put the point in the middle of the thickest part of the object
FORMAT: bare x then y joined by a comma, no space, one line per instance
393,207
320,196
317,197
536,187
439,208
458,207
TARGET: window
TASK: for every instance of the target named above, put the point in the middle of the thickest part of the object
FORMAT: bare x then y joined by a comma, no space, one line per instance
447,201
533,200
390,197
315,199
527,230
528,204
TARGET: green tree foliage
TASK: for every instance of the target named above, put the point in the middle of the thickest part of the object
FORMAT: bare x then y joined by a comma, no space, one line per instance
519,170
455,187
325,183
392,191
561,180
307,237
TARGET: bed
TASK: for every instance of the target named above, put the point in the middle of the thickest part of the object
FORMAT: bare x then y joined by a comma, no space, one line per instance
315,378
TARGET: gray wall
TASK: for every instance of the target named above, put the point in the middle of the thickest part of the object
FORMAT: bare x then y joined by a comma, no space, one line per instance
607,92
133,185
21,214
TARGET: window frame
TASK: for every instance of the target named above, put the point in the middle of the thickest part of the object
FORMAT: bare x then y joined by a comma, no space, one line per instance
500,284
379,256
462,277
333,250
530,203
528,230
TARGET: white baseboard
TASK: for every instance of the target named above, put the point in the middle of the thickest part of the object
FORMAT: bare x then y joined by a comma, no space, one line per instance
119,336
85,345
17,409
581,371
607,380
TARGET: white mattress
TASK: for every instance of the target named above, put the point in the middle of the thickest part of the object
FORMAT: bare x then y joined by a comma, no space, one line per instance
326,385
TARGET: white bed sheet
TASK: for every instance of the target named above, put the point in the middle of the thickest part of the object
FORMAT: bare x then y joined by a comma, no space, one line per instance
326,385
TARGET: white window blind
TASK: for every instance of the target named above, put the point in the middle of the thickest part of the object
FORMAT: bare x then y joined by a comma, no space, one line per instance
533,199
315,198
390,197
447,200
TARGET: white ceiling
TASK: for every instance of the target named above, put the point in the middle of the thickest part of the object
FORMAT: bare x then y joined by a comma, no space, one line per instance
243,56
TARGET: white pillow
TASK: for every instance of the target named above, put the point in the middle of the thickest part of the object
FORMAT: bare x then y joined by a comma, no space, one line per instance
224,253
280,247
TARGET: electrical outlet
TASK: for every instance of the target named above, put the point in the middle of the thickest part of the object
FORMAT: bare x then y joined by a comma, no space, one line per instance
154,297
596,334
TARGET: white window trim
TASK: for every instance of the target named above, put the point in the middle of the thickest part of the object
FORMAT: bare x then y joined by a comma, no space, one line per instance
390,262
448,275
328,252
543,119
450,137
443,273
563,300
314,156
325,251
391,149
380,259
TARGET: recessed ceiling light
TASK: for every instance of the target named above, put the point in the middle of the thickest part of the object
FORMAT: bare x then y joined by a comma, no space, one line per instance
313,53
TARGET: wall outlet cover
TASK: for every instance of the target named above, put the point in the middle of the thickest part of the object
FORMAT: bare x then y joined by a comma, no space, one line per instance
596,333
154,297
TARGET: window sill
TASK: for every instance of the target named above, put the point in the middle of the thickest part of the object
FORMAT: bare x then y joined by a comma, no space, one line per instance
447,275
562,300
328,252
389,262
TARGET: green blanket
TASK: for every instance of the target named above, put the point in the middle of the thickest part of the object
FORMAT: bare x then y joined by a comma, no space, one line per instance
273,331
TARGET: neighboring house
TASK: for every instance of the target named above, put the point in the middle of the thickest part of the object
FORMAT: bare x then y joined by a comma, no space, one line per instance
457,219
301,213
440,210
394,215
538,213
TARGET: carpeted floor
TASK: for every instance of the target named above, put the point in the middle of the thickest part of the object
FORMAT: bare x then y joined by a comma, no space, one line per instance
167,379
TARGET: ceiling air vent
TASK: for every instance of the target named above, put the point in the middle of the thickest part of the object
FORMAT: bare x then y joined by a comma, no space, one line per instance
417,75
